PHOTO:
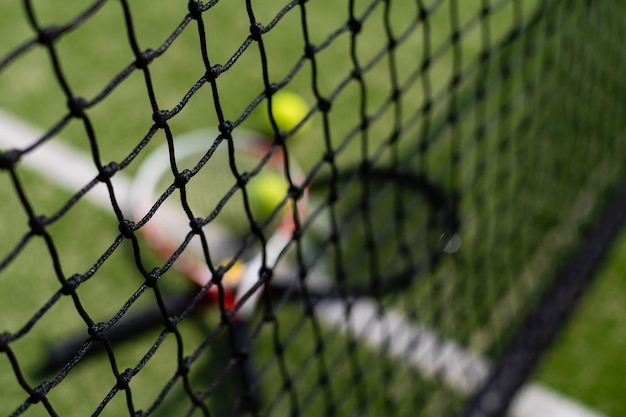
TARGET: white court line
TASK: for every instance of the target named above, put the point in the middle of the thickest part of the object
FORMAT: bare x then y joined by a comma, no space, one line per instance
67,167
418,346
435,356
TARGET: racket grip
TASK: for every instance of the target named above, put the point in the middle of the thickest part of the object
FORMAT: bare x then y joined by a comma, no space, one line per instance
127,327
250,395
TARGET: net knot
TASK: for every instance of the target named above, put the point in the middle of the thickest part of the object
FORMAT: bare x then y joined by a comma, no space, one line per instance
271,89
354,25
428,106
107,171
39,393
324,105
170,324
288,384
297,234
70,284
243,179
196,225
127,228
47,36
195,9
96,331
333,196
319,347
309,50
395,136
266,274
295,192
280,138
226,128
153,278
123,379
160,118
397,93
182,178
38,225
77,106
9,158
423,14
357,74
185,366
5,339
391,45
256,228
256,30
329,157
456,80
145,58
213,72
218,275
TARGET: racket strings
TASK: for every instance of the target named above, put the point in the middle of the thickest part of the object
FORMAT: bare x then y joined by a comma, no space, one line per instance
214,197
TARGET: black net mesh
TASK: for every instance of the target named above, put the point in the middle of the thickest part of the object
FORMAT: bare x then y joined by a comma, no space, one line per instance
457,156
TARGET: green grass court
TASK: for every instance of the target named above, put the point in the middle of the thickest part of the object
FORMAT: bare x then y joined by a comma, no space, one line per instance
587,363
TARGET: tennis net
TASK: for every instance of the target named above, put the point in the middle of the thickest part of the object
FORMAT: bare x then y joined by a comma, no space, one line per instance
461,162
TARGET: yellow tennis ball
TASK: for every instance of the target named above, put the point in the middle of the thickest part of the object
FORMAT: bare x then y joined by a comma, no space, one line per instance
232,277
288,109
266,191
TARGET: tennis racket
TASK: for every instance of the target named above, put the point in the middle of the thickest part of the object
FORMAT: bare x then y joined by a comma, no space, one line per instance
213,195
399,203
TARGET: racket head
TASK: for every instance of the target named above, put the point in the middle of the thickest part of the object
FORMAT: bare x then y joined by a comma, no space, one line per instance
391,227
211,196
